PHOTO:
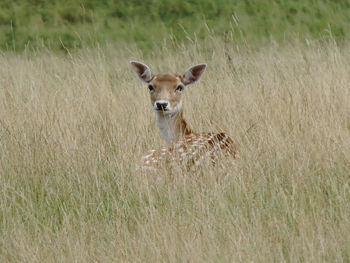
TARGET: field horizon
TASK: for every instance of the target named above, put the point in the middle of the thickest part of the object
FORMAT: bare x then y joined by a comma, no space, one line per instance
73,127
75,24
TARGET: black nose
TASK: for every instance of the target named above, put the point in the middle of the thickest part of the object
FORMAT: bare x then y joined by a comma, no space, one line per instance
161,105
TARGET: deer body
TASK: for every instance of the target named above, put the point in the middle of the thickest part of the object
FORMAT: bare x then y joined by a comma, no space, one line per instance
191,151
184,146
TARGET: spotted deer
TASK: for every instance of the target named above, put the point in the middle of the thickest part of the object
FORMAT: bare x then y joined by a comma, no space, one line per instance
184,147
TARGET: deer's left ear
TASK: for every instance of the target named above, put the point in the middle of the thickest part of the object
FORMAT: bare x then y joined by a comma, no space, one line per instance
193,74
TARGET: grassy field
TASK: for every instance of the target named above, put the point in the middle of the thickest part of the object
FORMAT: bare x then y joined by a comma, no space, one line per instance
62,24
73,127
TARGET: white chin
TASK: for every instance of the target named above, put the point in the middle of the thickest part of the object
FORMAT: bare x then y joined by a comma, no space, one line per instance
162,111
165,112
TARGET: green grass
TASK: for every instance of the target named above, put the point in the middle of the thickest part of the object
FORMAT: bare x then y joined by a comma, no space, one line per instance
69,24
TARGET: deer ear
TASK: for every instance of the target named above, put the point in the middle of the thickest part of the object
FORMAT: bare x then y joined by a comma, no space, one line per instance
142,71
193,74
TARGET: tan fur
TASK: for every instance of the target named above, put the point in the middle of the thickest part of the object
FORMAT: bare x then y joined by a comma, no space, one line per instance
191,151
185,147
164,88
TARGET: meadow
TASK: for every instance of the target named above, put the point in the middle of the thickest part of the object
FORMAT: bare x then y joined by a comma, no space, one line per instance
62,24
72,129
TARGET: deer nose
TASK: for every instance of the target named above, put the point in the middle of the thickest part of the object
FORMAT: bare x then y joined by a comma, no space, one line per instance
161,105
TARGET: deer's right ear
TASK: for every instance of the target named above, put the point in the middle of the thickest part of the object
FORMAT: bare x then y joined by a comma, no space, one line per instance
193,74
142,71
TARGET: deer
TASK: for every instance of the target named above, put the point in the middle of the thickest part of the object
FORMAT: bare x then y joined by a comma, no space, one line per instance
184,147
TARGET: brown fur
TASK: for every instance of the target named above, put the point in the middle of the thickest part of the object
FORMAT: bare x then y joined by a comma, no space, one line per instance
186,147
164,88
191,151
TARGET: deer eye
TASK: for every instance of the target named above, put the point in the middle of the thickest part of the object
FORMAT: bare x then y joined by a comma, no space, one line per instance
150,87
179,88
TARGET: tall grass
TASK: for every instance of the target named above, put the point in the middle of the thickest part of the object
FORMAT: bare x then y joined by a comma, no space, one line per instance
72,129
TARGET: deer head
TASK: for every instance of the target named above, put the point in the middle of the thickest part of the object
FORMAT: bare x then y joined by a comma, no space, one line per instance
166,89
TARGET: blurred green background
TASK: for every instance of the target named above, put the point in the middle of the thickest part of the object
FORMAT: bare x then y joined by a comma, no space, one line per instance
69,24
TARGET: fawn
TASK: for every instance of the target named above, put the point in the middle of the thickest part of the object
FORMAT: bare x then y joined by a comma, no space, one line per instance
184,146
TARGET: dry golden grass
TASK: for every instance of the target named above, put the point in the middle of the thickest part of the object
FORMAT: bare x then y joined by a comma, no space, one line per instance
72,129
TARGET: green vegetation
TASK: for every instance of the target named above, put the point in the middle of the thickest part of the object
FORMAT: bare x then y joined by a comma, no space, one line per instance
69,24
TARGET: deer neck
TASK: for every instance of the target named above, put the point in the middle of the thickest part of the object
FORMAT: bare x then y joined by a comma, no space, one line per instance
172,126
